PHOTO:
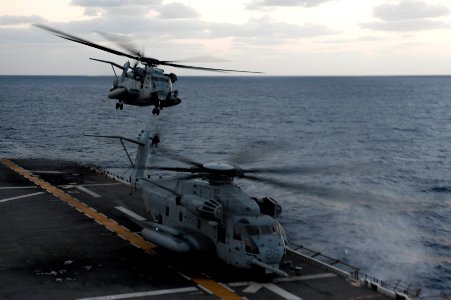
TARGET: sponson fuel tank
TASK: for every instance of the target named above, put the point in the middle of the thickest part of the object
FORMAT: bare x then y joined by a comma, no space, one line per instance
116,93
165,240
176,240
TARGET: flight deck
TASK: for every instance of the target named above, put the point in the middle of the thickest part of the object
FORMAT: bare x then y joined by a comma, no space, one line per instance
67,231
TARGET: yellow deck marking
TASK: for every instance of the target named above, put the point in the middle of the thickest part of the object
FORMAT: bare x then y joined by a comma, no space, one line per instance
111,225
88,211
216,288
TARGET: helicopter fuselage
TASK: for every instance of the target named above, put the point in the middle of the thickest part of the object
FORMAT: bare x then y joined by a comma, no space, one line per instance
221,218
207,212
142,86
145,86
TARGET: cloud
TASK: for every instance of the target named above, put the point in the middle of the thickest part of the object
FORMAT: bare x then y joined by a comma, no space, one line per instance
180,21
407,25
177,11
265,27
162,38
92,11
365,38
11,36
407,10
408,15
113,3
19,20
260,4
115,7
163,28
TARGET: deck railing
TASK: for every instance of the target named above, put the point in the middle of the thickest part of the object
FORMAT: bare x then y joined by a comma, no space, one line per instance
296,254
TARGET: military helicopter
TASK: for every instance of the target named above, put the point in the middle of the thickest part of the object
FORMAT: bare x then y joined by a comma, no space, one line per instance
202,209
141,86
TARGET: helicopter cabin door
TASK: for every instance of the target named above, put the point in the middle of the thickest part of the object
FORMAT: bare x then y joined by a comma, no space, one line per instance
222,230
147,84
221,245
236,245
231,249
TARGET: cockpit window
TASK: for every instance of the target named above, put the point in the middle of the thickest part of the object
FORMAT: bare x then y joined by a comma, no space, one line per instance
243,231
275,229
250,246
251,230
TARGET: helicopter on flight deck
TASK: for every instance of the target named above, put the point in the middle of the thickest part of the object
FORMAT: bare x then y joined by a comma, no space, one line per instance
141,86
201,208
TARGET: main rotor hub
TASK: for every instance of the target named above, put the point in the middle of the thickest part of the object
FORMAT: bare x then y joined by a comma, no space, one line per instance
220,172
218,166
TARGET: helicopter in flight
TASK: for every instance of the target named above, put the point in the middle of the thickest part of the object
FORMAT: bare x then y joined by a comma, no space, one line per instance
202,209
145,85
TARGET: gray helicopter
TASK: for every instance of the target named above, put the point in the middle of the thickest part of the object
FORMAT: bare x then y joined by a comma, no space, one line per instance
202,209
139,86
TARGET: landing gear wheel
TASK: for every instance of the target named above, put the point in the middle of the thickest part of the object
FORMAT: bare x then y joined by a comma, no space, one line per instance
121,106
155,111
265,278
117,105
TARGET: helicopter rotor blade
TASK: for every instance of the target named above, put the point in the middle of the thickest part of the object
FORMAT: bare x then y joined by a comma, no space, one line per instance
311,170
258,151
313,190
178,157
127,45
322,192
283,170
163,187
76,39
174,169
277,183
172,191
109,62
122,42
184,177
130,48
169,63
202,59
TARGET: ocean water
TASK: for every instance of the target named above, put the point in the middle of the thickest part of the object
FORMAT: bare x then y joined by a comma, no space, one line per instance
375,152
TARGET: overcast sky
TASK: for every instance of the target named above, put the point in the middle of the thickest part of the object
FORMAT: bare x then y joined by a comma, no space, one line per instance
278,37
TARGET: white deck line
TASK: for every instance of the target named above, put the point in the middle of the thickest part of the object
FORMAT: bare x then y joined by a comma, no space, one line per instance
130,213
89,192
289,279
255,287
20,197
81,188
281,292
305,277
18,187
144,294
101,184
46,172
